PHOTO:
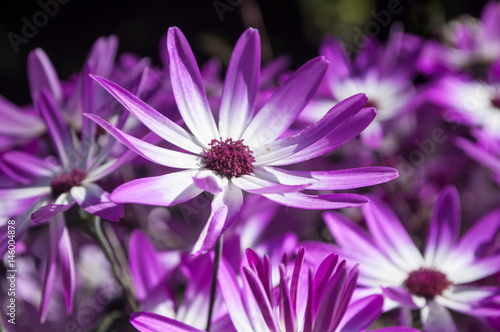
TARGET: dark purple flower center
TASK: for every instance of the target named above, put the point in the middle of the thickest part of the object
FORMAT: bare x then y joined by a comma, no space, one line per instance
65,181
371,103
426,282
229,158
496,101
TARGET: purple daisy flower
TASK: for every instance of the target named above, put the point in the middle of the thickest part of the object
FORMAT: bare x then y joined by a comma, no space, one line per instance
382,72
470,102
240,154
467,44
52,186
319,301
391,264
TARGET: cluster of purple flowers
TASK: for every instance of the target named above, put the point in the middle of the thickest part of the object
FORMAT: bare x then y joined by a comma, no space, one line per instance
224,224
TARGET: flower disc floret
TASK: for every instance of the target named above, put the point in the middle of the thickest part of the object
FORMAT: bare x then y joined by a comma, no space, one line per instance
229,158
65,181
427,282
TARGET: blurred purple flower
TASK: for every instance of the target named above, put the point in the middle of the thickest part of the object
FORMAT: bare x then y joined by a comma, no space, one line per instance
391,264
48,187
486,151
470,102
467,44
382,72
240,154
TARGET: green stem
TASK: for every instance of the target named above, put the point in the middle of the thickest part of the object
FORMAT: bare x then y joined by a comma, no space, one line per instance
213,287
98,234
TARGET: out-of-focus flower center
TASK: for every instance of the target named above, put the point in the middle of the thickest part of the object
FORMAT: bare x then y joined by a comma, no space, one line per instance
229,158
495,101
426,282
65,181
371,103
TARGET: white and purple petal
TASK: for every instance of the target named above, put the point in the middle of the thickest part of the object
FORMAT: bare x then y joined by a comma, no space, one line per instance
163,190
240,86
188,88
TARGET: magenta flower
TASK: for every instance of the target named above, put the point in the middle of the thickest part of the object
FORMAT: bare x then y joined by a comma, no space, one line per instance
319,301
240,154
152,272
46,188
467,44
383,72
470,102
54,187
441,278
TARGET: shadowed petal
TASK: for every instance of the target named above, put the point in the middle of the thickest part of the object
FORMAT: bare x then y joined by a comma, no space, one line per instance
318,202
209,181
149,151
435,317
57,128
22,223
88,132
22,193
19,122
361,314
157,122
283,107
41,74
144,266
30,164
481,233
100,170
188,88
240,87
481,156
56,229
45,213
96,201
67,264
444,227
226,206
334,51
149,322
400,295
163,190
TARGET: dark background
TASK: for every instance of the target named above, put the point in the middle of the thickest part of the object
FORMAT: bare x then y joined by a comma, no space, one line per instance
293,27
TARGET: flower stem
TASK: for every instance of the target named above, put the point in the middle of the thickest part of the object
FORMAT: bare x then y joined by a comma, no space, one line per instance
213,287
96,231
